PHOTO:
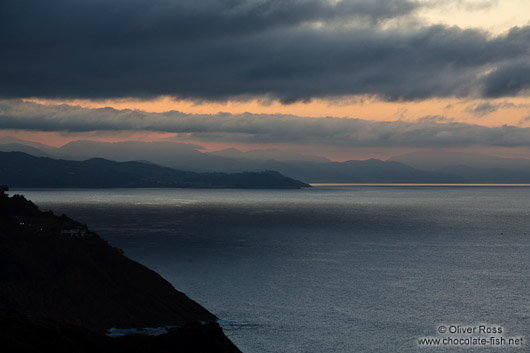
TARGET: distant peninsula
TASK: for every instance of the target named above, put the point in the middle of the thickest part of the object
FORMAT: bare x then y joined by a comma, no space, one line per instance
62,288
21,170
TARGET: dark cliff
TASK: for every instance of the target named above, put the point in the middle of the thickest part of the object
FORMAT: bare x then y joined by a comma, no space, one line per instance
65,284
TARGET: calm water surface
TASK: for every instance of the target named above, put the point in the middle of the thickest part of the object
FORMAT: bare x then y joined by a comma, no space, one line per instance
331,268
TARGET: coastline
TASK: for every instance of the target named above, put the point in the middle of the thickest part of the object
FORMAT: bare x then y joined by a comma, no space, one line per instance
66,289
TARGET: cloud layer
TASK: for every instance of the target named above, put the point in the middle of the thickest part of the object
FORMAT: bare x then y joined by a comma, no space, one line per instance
260,128
235,49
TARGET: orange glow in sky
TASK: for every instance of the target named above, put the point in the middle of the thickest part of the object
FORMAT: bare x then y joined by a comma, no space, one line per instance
493,17
509,111
495,112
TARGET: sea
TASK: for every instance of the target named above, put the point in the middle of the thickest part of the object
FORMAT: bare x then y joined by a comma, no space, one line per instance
332,268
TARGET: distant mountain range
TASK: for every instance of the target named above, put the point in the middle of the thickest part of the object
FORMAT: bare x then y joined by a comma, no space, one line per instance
441,159
20,170
435,166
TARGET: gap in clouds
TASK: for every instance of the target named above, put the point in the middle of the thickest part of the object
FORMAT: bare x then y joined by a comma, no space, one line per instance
337,138
489,112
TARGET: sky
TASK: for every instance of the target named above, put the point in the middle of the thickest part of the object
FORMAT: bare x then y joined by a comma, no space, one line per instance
346,79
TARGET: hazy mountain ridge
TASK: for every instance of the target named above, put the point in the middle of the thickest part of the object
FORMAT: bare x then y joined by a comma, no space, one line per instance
367,171
268,154
10,147
439,159
5,140
490,175
435,166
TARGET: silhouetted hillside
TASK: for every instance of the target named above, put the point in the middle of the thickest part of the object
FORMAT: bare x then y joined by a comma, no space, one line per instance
66,285
368,171
23,170
434,166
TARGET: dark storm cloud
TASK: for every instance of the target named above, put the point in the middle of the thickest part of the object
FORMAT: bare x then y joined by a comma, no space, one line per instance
260,128
508,80
222,49
114,21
